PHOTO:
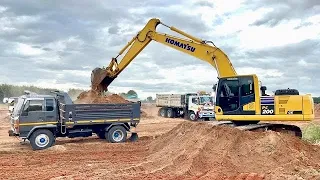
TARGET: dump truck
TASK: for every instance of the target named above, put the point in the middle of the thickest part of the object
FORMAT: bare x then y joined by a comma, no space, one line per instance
43,118
192,106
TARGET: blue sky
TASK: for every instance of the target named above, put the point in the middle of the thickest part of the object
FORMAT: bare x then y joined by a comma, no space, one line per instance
58,43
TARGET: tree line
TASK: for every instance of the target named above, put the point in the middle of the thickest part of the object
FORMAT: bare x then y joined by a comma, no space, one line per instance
8,90
316,100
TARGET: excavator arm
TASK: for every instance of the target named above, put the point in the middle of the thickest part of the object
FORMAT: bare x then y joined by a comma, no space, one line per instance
101,78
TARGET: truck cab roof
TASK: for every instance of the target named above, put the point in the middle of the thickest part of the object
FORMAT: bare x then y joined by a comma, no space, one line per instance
30,96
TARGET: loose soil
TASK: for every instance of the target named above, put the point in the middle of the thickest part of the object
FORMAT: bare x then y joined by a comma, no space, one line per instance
91,97
167,149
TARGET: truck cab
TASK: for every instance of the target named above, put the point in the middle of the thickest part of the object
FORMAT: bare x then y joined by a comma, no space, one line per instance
192,106
200,106
31,110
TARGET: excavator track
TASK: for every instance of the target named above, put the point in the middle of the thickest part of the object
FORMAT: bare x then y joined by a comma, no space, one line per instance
282,128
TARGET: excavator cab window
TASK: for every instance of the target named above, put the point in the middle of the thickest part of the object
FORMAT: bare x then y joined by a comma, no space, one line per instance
234,93
228,94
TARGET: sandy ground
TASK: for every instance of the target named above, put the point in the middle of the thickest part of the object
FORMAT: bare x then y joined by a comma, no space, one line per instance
167,149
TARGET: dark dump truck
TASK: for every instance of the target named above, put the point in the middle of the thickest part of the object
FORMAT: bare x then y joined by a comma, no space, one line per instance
42,118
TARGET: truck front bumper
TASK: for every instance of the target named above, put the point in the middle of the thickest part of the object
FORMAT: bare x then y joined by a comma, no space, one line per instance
12,133
206,114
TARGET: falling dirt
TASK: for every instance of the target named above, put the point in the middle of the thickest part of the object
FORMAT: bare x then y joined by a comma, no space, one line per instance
167,149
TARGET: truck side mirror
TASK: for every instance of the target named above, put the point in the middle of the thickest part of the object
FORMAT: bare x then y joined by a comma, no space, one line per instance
5,100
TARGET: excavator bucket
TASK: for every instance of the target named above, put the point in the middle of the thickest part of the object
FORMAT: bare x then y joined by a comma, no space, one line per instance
100,80
134,137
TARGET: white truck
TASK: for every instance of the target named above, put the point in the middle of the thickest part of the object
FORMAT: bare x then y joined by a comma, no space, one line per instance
192,106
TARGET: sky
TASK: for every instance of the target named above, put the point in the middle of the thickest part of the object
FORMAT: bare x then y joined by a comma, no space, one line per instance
56,44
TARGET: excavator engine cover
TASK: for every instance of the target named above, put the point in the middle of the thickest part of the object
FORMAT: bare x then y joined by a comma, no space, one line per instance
100,79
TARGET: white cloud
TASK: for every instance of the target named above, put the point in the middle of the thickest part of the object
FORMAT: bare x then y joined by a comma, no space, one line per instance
3,9
27,50
283,34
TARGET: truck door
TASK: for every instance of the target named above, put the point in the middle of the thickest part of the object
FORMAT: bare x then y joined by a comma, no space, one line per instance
32,114
50,110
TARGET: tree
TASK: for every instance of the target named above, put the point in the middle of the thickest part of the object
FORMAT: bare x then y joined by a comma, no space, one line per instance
132,93
149,99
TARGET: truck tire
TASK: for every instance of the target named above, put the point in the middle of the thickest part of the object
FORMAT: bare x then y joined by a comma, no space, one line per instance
116,134
41,139
170,113
192,116
163,112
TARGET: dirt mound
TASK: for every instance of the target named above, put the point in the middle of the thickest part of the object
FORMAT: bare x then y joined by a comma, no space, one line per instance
90,97
205,151
144,114
317,109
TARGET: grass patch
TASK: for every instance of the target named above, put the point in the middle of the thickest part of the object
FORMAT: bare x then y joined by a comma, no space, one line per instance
311,133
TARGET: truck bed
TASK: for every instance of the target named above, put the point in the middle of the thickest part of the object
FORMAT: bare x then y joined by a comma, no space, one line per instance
170,100
93,113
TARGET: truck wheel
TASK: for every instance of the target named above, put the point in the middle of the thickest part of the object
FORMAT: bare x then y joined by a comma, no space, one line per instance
116,134
41,139
192,116
170,113
163,112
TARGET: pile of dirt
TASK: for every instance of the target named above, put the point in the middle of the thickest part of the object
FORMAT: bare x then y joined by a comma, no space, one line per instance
317,109
91,97
205,151
144,114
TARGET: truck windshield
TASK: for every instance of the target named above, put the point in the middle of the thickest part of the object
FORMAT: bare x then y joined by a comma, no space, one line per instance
206,99
18,106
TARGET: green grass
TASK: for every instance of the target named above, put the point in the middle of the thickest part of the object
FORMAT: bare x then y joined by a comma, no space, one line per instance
311,133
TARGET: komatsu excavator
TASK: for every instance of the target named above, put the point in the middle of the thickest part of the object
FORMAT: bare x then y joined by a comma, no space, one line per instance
241,101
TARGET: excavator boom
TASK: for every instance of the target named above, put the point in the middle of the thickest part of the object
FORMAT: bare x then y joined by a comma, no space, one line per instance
101,78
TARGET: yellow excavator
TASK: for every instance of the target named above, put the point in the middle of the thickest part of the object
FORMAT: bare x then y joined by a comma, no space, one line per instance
240,101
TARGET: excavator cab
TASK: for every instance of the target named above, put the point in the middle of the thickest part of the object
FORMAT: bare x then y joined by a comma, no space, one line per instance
235,95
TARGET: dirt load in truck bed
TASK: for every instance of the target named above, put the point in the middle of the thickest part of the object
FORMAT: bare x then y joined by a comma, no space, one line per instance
91,97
